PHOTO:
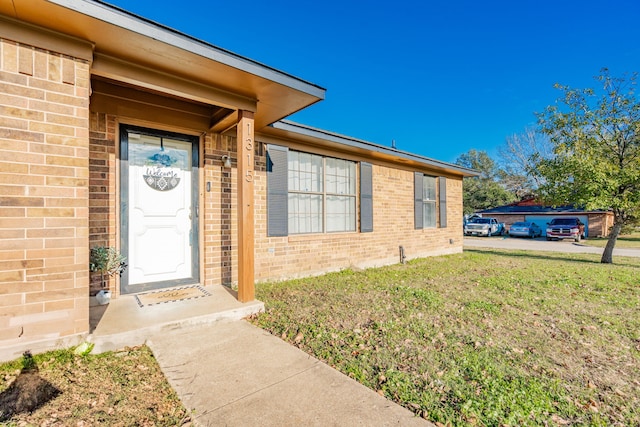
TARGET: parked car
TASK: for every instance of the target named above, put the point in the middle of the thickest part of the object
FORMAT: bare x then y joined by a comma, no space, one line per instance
484,227
525,229
565,228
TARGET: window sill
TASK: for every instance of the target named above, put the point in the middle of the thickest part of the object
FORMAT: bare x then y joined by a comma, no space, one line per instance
321,236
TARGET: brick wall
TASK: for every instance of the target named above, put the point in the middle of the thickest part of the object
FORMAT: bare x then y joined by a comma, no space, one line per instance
43,195
311,254
600,224
393,225
103,191
219,220
282,257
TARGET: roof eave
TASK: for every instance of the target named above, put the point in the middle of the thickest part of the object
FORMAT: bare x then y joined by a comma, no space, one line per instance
114,15
299,131
119,34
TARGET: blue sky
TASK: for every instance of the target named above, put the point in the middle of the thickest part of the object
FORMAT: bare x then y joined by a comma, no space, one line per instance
439,78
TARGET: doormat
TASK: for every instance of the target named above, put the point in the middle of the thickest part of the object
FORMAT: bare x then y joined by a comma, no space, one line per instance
171,295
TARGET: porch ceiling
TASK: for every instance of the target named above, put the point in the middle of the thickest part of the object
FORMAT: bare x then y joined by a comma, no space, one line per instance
131,39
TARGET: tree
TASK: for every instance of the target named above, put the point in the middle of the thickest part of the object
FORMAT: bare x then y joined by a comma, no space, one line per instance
596,143
485,191
516,161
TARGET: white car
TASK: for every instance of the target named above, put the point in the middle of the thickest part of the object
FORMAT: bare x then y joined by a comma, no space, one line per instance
484,227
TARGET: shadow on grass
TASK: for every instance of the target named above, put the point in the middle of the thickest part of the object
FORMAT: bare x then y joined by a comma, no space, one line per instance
553,256
628,239
28,392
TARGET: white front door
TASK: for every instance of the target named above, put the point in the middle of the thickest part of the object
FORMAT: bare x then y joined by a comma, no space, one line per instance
159,213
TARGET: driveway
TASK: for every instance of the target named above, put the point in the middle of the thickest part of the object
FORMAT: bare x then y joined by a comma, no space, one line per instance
541,244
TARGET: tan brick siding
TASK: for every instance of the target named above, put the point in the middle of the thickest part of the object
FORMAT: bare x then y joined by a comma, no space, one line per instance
600,224
103,191
219,219
393,225
43,194
310,254
276,258
282,257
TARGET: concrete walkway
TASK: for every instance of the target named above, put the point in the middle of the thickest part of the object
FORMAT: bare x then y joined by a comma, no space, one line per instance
232,373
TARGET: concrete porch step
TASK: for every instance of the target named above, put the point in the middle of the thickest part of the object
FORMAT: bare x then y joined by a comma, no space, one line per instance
123,323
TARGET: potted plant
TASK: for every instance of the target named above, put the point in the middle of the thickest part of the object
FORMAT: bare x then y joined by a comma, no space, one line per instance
105,260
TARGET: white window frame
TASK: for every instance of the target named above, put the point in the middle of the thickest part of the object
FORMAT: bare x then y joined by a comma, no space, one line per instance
429,201
307,186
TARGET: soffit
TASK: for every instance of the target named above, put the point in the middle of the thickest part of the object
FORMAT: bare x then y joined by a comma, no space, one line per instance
131,39
114,97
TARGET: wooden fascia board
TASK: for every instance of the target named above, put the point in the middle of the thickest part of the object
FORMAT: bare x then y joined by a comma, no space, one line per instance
225,124
126,72
132,109
32,35
214,75
130,22
131,103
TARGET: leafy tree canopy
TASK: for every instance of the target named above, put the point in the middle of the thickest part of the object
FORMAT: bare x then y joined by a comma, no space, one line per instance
595,136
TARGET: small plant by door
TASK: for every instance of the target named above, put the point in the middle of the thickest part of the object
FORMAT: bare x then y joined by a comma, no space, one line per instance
108,261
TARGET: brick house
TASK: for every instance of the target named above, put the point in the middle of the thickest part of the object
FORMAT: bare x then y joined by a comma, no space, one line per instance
117,131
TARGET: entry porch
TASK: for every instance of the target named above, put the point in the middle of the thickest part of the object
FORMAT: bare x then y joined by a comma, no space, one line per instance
125,323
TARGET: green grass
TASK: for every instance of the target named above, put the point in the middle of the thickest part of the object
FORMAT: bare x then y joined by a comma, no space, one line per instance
487,338
628,241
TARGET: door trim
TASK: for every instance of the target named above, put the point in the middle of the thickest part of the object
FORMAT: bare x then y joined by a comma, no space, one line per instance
125,288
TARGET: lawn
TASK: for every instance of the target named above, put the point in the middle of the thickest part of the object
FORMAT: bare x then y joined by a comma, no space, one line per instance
60,388
627,241
487,337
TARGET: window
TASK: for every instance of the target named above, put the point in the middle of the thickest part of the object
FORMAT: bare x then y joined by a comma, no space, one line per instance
308,193
427,190
321,194
429,201
305,179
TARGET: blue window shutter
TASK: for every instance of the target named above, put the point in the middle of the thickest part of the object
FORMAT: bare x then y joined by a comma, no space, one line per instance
277,191
442,191
366,198
418,206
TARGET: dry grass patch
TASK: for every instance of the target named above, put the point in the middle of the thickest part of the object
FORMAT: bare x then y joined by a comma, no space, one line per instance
60,388
487,337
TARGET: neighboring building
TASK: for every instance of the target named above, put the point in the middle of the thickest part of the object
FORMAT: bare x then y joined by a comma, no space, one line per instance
118,131
597,223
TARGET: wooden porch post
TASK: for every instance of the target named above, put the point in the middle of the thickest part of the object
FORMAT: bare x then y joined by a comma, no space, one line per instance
246,225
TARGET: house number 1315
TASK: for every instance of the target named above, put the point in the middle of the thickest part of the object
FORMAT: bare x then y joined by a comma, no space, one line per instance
249,148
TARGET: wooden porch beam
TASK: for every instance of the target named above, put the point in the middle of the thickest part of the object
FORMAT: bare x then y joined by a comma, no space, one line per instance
246,225
126,72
